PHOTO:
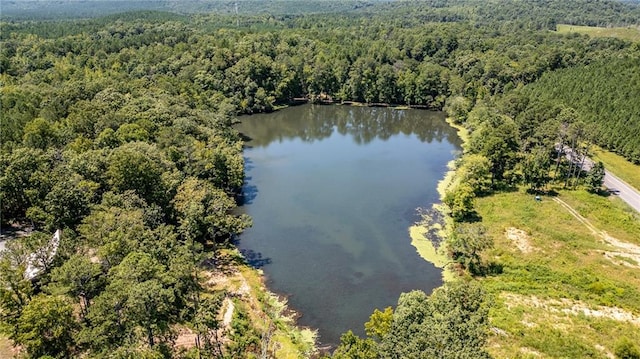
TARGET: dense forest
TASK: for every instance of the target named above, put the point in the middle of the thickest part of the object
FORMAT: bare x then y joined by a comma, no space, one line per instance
65,9
118,131
606,95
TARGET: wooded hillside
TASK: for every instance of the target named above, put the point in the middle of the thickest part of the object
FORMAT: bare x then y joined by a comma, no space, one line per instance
118,131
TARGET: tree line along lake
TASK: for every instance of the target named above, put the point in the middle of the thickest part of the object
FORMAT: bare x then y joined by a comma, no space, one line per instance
332,191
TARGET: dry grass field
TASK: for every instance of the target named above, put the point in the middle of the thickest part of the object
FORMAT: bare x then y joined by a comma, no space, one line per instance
627,33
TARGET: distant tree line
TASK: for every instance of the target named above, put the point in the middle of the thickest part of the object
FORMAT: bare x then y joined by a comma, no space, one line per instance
537,14
119,132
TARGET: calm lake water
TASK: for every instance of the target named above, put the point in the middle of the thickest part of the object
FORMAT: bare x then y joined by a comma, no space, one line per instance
332,191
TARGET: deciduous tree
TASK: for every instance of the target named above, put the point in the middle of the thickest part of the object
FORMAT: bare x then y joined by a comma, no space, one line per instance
451,323
78,278
46,327
467,243
460,200
595,178
205,211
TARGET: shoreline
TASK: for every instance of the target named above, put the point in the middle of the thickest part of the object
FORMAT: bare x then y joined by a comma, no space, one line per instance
268,311
417,232
427,248
394,106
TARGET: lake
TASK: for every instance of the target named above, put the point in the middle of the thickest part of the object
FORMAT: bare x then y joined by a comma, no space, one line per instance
332,191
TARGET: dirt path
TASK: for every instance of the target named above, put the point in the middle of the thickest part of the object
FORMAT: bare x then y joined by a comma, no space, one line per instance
228,313
622,249
578,216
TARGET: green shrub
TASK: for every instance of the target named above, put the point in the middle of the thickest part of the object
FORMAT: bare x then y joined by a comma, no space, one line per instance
626,349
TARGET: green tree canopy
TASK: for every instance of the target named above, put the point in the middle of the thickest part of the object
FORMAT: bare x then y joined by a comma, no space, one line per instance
496,138
451,323
46,327
467,243
204,211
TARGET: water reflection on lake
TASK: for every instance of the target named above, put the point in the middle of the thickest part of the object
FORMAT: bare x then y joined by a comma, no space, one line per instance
332,191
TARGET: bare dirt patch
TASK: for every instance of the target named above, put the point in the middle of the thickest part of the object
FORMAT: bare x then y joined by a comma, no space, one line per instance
186,338
604,350
229,307
623,259
528,324
572,307
237,287
625,254
8,350
529,351
624,246
520,239
233,282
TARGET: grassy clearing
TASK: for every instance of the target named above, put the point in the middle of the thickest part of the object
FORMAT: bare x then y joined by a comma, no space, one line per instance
565,264
560,289
609,214
627,33
619,166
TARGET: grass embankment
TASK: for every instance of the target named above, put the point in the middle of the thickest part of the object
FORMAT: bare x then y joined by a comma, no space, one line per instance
565,271
564,290
619,166
626,33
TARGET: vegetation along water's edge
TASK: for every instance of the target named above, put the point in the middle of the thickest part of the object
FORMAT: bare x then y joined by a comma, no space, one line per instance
118,131
428,234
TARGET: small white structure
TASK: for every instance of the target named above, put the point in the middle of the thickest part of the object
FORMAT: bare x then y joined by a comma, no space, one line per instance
42,257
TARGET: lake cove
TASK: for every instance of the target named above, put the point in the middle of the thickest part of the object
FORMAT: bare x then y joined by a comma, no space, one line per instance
332,191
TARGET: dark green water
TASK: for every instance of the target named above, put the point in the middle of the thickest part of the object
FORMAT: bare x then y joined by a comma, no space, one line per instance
332,191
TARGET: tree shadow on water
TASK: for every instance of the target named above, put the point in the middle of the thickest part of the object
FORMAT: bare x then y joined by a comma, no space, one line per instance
248,194
244,137
248,164
254,259
228,262
249,191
